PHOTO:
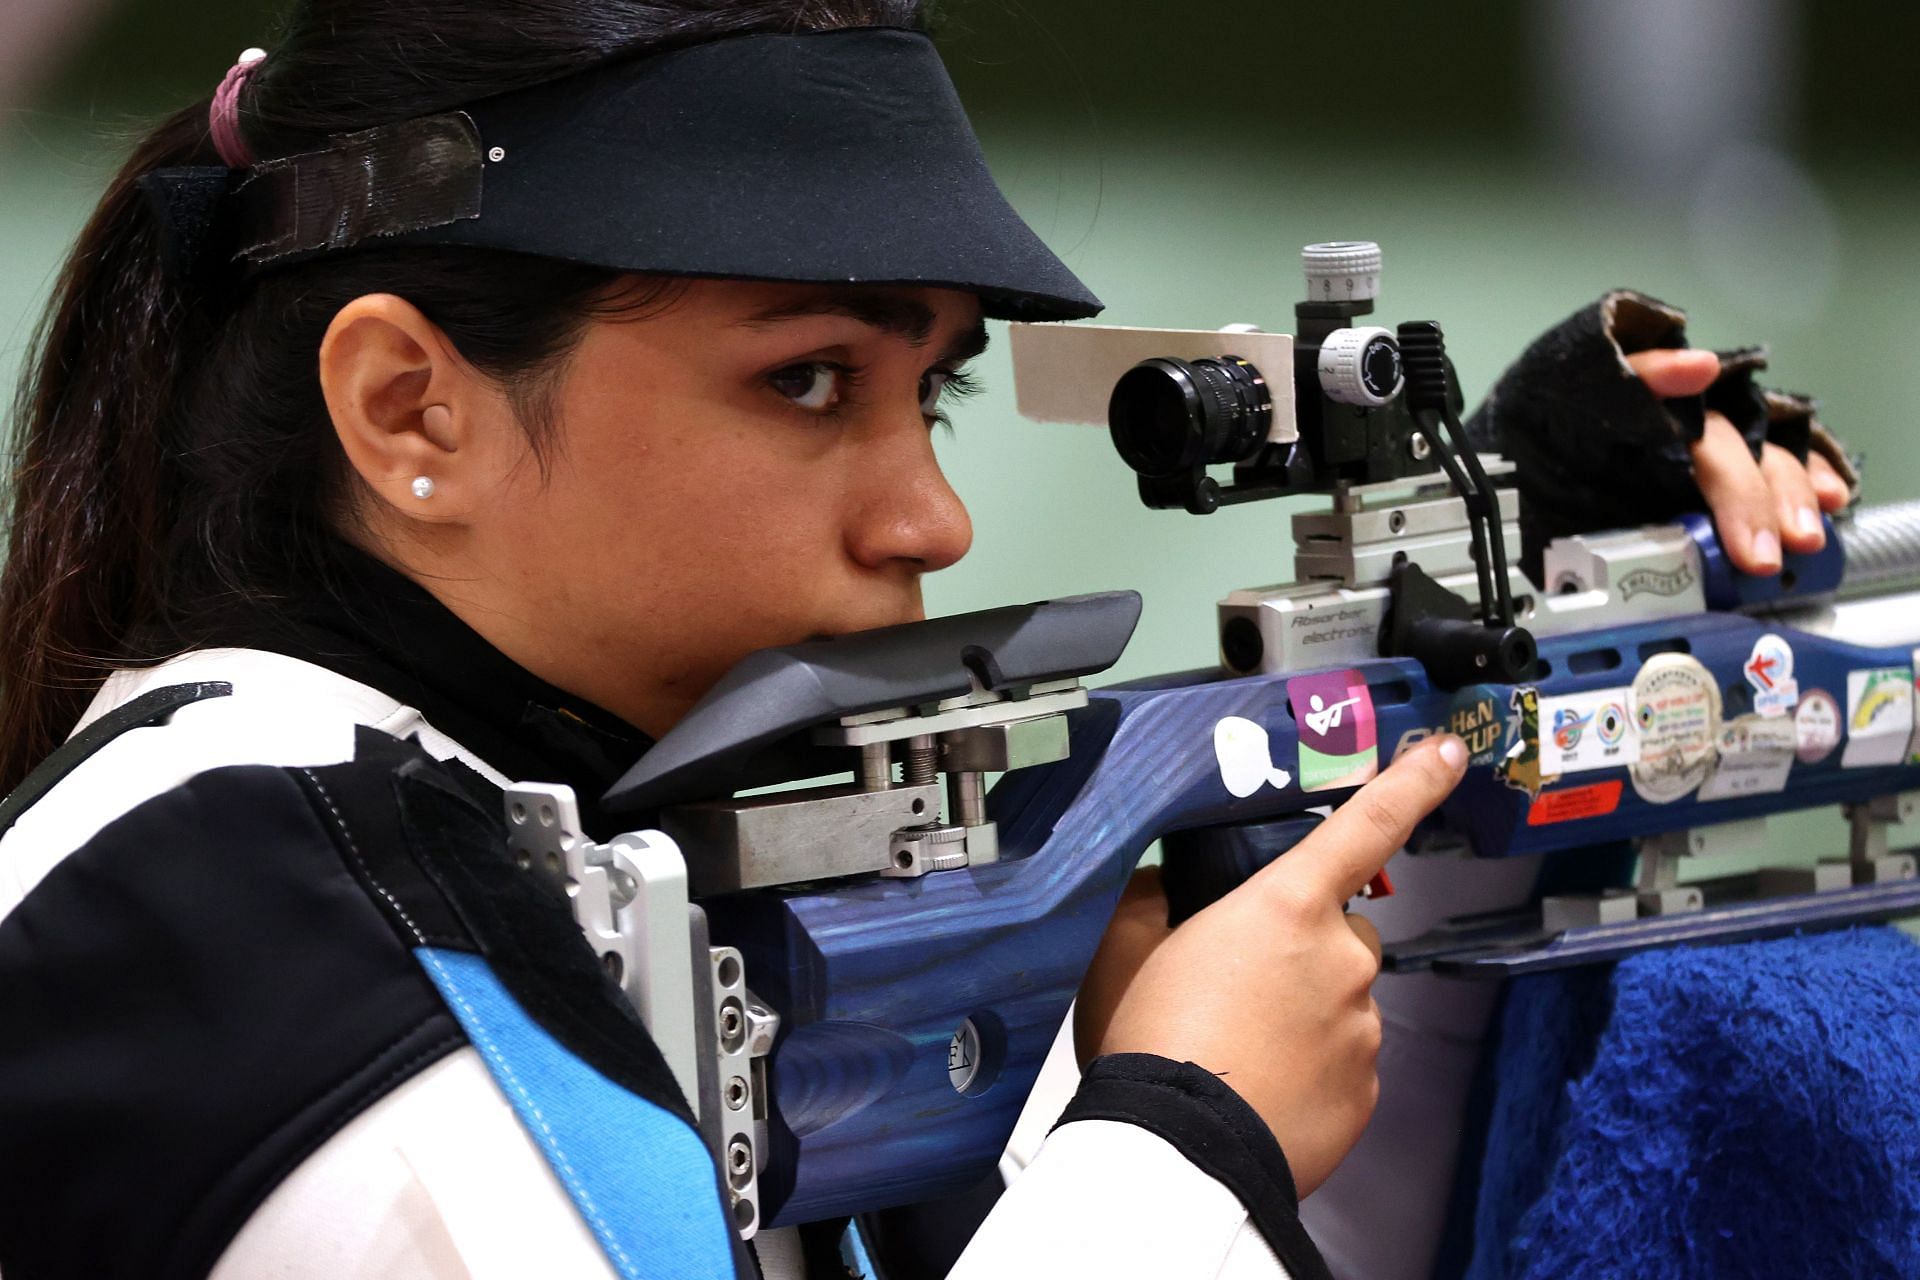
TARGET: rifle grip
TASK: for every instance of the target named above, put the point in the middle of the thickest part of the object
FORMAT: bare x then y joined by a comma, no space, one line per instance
1203,865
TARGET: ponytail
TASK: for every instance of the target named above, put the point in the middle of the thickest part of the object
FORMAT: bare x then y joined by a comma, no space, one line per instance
91,483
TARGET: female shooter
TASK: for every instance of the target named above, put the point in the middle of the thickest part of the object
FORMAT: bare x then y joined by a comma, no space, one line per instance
611,369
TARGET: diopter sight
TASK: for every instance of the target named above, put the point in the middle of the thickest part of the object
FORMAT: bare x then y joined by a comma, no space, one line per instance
1335,408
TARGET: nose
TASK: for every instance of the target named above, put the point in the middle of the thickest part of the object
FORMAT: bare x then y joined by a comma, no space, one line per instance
908,516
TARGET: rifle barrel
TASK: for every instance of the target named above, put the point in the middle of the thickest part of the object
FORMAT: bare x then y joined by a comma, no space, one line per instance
1883,548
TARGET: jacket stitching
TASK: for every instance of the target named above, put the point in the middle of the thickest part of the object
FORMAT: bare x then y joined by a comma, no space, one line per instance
478,1031
353,851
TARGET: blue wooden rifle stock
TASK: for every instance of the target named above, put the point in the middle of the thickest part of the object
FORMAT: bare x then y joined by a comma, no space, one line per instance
871,976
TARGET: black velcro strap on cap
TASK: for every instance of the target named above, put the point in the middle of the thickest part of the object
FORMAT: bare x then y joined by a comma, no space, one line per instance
370,185
190,203
155,707
1216,1130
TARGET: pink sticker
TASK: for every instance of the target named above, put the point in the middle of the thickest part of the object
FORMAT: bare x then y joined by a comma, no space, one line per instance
1333,713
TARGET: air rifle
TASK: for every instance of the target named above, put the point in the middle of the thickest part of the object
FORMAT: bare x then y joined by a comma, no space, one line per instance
880,950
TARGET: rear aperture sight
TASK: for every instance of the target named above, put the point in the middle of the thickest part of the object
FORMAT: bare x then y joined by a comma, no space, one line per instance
1335,412
1169,416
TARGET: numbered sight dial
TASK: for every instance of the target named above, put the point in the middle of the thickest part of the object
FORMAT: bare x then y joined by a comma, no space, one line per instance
1360,366
1342,271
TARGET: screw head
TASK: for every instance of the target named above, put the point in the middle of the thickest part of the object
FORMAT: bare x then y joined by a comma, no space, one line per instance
496,154
1417,445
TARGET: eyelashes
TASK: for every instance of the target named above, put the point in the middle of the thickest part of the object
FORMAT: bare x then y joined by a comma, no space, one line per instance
947,387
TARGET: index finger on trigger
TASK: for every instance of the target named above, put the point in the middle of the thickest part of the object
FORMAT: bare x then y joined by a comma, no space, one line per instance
1350,848
1675,372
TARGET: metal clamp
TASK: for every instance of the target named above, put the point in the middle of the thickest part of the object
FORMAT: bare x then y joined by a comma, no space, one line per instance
877,824
741,1030
629,897
1869,847
1355,543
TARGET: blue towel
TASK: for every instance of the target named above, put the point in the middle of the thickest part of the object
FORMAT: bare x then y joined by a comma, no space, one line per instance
1727,1112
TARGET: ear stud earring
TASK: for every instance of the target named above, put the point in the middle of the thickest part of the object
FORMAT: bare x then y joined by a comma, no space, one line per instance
423,486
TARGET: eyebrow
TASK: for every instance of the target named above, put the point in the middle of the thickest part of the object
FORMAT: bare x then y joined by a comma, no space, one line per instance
892,314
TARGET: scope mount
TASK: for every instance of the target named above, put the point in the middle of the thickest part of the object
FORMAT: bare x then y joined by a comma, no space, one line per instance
1414,541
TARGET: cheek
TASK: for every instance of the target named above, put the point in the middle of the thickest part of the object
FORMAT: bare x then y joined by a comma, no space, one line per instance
690,523
691,480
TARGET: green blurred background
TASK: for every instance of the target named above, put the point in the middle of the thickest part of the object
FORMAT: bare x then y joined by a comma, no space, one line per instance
1750,160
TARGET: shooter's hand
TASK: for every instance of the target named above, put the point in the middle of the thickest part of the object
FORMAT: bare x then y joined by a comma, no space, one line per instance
1757,506
1270,987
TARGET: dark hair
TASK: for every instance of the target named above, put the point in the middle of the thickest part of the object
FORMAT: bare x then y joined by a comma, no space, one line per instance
172,448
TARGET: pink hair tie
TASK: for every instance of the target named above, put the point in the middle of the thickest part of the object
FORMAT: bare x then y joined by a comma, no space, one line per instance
223,118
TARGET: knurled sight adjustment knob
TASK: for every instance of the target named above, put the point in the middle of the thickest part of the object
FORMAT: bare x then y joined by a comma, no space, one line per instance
1360,366
933,847
1342,271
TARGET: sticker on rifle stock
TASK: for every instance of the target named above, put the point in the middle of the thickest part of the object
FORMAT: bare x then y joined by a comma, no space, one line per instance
1913,743
1879,716
1816,726
1520,766
1756,754
1769,669
1676,712
1245,755
1473,717
1333,712
1585,731
1595,800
